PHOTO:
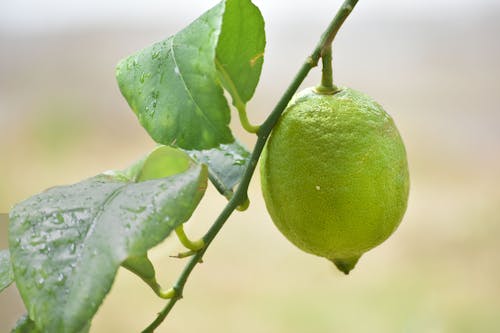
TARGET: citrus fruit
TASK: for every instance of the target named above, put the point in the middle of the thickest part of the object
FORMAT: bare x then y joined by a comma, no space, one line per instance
334,175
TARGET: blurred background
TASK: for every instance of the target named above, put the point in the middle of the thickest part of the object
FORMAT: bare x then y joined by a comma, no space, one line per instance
434,66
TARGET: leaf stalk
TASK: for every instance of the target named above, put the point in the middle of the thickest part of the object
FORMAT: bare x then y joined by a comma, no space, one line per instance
189,244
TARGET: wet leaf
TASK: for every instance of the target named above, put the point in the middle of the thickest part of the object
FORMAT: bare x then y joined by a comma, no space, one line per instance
226,164
26,325
68,242
174,86
141,266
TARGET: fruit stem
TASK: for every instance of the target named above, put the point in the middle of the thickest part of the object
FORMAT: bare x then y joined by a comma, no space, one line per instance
327,87
240,195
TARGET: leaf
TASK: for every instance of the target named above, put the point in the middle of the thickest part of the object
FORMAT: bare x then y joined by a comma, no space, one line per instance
26,325
240,50
140,266
6,274
163,162
68,242
173,88
226,164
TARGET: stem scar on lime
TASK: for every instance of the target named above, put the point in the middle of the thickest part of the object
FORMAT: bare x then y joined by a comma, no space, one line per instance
334,175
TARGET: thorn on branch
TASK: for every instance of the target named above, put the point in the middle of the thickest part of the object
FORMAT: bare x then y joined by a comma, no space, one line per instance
182,255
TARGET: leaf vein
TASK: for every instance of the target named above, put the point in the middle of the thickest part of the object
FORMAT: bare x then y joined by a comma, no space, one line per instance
198,108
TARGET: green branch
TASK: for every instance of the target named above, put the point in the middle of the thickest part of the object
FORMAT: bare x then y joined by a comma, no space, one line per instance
263,133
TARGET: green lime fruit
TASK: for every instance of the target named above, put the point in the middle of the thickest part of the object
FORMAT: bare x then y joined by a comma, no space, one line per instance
334,175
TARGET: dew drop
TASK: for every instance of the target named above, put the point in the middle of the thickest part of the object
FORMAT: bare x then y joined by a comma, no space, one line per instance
39,283
155,54
239,162
59,219
60,278
137,210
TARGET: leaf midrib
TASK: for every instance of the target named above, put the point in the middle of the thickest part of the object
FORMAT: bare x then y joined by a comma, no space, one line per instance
200,110
91,230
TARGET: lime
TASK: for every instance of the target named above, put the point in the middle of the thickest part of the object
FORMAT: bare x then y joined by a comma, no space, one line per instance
334,175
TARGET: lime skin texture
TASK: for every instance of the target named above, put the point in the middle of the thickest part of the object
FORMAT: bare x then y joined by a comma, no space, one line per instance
334,175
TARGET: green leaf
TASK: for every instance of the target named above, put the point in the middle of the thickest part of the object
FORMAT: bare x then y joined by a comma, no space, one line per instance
141,266
26,325
226,164
240,50
173,88
68,242
6,274
163,162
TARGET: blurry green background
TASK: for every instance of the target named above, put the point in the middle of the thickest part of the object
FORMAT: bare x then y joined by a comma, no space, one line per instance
435,66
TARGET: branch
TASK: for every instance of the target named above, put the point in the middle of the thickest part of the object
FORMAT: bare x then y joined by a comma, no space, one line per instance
263,133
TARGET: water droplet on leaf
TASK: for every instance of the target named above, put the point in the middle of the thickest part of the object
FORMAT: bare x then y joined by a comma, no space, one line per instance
39,283
60,278
155,55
